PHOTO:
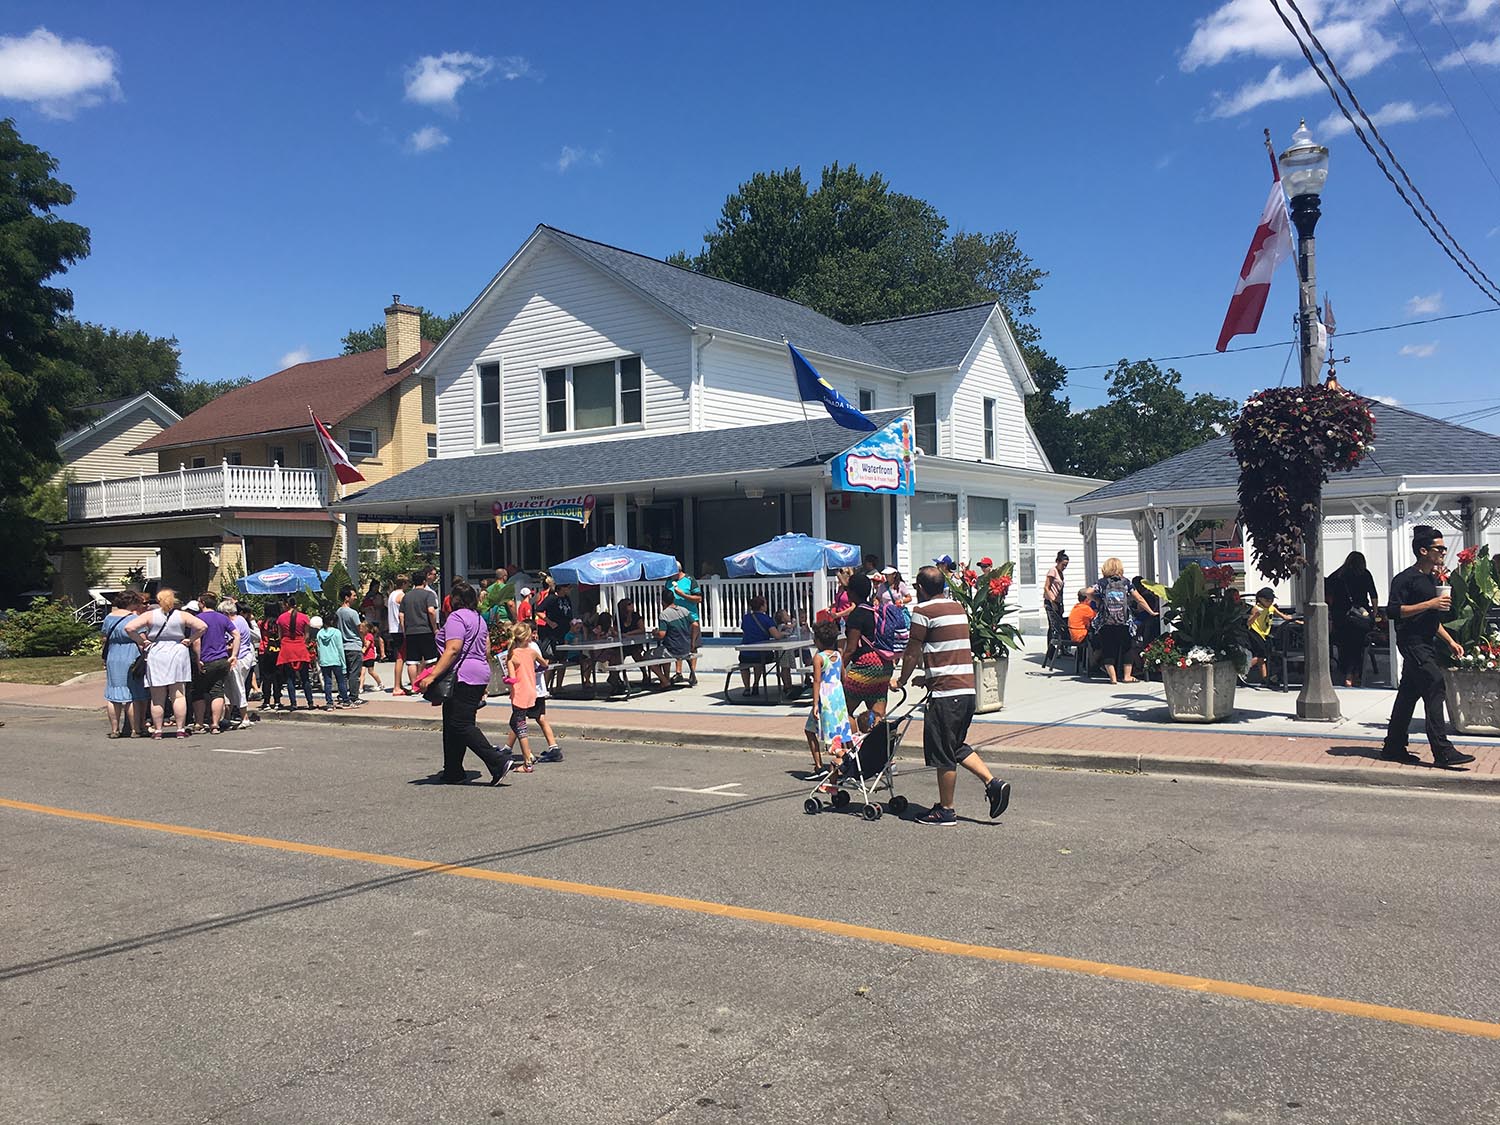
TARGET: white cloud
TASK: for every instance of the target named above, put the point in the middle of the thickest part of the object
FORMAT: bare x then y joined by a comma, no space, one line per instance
514,66
1493,231
572,155
1389,400
1429,305
1481,52
296,356
58,76
1392,113
436,79
1251,28
427,138
1418,351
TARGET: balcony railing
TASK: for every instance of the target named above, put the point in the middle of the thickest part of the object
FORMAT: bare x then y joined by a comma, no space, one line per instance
193,490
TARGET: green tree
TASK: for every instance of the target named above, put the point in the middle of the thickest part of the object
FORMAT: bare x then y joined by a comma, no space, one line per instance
118,363
199,393
1147,419
434,328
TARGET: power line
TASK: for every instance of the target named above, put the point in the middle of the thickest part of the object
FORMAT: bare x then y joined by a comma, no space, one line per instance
1441,86
1282,343
1483,89
1488,288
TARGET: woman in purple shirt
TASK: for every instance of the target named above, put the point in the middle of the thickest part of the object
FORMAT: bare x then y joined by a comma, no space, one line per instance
464,640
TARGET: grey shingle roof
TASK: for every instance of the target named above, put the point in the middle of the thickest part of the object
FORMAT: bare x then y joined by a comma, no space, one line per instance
927,340
714,303
598,465
1406,444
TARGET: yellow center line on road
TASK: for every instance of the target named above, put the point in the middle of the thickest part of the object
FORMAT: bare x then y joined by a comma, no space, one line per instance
1431,1021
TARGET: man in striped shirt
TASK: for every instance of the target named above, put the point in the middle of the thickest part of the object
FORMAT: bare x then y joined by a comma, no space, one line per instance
940,642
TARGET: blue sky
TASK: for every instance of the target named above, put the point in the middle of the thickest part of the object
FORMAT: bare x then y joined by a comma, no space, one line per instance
256,186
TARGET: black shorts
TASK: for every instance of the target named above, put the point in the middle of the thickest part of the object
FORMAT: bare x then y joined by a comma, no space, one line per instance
537,709
1260,647
421,648
945,731
211,679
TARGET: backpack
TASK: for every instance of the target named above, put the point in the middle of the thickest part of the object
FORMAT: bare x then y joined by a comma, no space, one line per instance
1116,603
892,627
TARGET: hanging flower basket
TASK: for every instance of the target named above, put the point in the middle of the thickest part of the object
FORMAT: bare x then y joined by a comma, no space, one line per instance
1287,441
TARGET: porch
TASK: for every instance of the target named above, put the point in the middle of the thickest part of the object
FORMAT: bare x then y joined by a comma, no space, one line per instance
193,490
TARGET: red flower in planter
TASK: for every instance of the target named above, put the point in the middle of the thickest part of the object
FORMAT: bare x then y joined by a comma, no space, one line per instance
997,588
1467,555
970,576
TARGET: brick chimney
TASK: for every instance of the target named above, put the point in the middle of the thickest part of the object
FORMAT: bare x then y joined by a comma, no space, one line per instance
403,333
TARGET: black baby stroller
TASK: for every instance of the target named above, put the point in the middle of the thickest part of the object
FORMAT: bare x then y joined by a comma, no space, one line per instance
869,767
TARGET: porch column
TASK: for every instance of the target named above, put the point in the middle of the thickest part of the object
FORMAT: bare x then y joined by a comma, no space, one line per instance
963,524
621,511
1145,548
1088,526
1164,530
819,499
903,560
687,550
1392,546
459,565
351,556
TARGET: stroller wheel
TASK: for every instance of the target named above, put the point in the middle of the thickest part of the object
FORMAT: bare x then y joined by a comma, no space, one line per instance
812,806
841,799
898,805
872,812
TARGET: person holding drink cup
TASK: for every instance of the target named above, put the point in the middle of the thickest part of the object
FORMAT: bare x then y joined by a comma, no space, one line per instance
1419,598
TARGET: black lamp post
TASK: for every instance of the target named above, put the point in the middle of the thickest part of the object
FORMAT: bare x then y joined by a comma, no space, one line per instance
1304,170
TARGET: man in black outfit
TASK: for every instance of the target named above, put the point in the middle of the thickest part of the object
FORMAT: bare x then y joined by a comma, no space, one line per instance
1416,607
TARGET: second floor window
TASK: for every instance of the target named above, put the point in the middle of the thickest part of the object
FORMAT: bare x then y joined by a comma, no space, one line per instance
431,445
592,396
924,407
989,429
866,400
361,442
276,455
489,404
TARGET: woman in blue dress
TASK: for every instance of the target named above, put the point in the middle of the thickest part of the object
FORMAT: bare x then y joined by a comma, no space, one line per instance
125,696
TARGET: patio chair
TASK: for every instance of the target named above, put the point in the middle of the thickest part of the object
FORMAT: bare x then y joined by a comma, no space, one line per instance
1290,651
1059,640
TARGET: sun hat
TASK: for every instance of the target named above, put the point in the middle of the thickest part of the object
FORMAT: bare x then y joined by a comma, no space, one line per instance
315,622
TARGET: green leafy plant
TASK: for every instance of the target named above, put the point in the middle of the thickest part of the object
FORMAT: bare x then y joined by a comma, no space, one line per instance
1204,619
1476,590
45,628
981,590
1287,441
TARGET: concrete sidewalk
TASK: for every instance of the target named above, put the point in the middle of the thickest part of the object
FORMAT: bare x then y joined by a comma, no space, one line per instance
1049,721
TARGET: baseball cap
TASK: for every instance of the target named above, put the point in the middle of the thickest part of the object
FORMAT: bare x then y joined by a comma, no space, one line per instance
526,591
193,606
315,622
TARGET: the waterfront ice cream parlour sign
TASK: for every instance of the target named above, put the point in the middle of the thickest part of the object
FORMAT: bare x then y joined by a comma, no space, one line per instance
882,462
578,509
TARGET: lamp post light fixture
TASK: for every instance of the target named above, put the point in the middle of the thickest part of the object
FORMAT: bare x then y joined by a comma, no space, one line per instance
1304,170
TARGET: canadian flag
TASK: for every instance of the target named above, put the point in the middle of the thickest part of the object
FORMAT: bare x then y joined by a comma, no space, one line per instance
343,468
1271,246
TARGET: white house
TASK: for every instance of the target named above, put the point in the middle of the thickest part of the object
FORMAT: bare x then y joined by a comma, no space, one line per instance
668,398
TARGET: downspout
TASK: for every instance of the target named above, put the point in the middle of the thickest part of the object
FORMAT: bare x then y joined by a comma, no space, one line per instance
695,407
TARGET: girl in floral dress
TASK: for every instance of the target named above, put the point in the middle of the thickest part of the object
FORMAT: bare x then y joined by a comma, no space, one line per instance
828,725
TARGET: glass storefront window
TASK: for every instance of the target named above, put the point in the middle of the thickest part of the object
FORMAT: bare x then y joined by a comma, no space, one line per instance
934,527
989,528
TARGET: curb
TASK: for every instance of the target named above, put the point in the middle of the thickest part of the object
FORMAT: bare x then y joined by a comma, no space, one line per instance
1017,756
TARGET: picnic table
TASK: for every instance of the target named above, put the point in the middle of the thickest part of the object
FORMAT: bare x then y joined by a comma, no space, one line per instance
775,648
615,644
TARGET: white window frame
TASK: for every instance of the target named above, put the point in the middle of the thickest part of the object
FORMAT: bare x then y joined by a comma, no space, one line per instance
862,394
1025,544
499,365
990,444
937,423
359,454
432,445
571,429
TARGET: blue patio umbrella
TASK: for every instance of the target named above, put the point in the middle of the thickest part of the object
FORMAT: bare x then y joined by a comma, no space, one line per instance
283,578
791,554
605,565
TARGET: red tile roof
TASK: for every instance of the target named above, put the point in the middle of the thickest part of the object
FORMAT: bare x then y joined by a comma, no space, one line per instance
334,388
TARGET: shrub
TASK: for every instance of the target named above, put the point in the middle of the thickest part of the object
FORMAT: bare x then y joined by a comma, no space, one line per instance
46,628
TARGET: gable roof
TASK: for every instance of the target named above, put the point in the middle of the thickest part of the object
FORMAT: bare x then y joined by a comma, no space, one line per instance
929,340
101,414
334,388
624,461
1405,442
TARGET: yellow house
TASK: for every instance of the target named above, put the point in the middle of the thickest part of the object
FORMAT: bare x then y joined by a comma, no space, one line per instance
242,483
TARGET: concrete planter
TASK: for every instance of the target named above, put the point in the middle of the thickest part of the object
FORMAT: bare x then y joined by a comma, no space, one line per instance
989,685
1473,700
1200,693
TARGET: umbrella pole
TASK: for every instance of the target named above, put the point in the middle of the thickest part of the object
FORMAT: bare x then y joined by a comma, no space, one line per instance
820,588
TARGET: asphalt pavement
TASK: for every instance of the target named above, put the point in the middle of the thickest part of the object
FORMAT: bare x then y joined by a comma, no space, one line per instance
652,933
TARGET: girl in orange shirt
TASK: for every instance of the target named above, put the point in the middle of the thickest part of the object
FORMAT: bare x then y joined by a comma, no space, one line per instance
521,662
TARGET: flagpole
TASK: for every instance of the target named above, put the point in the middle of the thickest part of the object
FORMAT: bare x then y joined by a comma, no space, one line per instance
812,444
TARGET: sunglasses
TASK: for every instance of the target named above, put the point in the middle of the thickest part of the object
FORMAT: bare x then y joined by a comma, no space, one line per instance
1439,548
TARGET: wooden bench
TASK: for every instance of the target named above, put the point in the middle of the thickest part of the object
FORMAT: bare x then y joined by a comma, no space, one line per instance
797,671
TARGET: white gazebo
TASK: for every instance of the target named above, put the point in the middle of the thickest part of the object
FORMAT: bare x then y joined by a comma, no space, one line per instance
1421,470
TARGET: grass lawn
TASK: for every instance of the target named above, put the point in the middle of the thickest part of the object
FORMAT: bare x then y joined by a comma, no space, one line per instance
47,669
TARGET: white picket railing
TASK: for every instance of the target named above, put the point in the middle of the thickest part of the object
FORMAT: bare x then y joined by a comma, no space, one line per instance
725,600
188,490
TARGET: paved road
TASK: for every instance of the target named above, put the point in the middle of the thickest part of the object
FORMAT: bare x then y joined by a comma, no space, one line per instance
160,976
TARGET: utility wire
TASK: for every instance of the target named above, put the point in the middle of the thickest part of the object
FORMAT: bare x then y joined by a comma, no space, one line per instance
1282,343
1483,89
1441,86
1488,287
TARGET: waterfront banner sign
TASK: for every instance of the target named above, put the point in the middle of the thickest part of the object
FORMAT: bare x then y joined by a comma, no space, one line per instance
881,463
577,509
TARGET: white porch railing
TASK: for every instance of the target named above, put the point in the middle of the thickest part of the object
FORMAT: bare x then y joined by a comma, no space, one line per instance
188,490
725,600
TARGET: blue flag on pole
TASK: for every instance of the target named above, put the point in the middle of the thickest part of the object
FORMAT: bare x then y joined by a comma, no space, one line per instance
812,387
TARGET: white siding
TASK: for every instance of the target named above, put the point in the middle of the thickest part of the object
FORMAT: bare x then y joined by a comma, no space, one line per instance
988,375
555,310
745,385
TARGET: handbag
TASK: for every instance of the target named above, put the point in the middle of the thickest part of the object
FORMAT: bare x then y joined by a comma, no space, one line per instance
438,689
138,665
1359,617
